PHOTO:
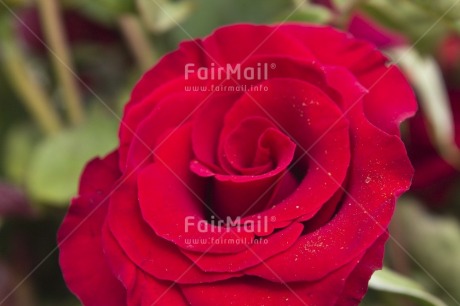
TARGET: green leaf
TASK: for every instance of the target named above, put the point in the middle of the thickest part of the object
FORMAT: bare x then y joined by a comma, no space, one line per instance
343,5
105,11
311,13
210,14
422,22
426,77
389,281
57,162
434,243
17,3
161,15
19,143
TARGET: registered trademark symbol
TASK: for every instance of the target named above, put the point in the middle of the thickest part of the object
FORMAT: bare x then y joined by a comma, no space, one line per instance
273,66
272,218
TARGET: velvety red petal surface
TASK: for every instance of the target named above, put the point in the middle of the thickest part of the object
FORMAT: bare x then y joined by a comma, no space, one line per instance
81,258
383,108
317,156
433,175
252,255
142,246
316,124
356,285
255,291
142,289
169,112
363,27
379,172
252,40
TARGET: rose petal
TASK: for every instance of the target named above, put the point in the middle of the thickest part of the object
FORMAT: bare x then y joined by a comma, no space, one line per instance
207,127
169,68
383,108
254,254
82,261
251,40
243,151
172,111
305,113
357,282
209,119
165,77
255,291
170,194
326,212
342,49
251,192
151,253
380,172
365,28
99,174
142,289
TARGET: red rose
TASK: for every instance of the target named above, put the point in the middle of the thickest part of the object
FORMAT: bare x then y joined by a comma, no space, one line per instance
78,29
448,55
366,28
434,177
276,192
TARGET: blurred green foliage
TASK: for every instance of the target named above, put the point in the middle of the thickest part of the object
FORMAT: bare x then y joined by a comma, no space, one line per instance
423,22
56,163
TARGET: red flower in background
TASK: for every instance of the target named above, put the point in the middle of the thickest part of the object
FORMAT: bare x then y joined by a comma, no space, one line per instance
449,55
363,27
433,175
449,60
78,28
314,154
